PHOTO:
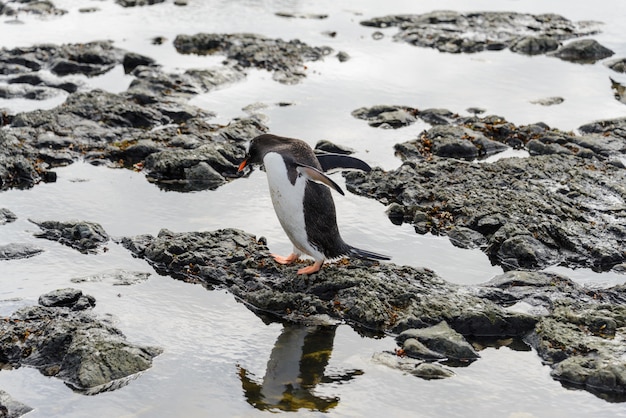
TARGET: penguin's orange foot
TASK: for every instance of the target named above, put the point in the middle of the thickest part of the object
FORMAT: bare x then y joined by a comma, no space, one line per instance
285,260
311,269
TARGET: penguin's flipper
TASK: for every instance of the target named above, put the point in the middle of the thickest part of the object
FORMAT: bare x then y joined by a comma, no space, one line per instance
314,174
330,161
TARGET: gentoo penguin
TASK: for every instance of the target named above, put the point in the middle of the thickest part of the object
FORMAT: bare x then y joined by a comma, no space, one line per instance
302,200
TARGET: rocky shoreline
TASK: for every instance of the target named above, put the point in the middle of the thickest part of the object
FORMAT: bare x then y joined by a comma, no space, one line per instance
563,204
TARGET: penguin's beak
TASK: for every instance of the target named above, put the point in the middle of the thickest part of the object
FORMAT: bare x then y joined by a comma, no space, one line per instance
242,165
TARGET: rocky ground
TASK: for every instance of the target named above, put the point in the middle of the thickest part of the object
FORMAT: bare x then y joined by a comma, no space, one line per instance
564,204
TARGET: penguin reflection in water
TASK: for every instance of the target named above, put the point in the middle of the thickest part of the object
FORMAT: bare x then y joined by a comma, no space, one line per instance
302,198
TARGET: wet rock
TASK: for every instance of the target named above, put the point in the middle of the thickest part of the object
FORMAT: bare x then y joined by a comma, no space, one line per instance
451,142
301,15
440,339
22,91
582,345
447,31
34,7
617,65
534,45
66,340
10,408
134,3
619,91
86,237
132,60
533,212
583,51
6,216
548,101
578,331
436,116
537,289
368,295
67,298
206,166
328,146
409,365
17,251
285,59
116,277
464,237
387,116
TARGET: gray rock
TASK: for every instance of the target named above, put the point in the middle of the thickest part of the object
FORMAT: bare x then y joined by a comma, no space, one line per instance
328,146
583,51
368,295
534,45
617,65
548,101
68,341
10,408
534,211
116,277
17,251
86,237
387,116
440,339
409,365
68,298
284,59
448,31
6,216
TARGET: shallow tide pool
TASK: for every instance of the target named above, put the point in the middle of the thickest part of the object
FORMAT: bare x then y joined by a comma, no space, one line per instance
215,349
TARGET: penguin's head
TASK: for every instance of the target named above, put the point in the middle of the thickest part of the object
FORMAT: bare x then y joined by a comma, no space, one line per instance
258,147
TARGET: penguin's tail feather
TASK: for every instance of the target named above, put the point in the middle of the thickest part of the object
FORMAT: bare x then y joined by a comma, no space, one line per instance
369,255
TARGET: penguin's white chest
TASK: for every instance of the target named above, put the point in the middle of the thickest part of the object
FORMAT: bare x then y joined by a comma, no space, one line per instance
288,201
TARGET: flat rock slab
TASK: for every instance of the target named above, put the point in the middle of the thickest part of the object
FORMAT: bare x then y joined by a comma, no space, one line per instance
565,204
86,237
455,32
63,338
372,297
284,58
553,313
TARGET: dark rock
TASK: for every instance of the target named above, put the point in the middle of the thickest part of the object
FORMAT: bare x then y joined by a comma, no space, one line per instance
409,365
440,339
86,237
618,65
301,15
89,355
285,59
370,296
132,60
447,31
328,146
387,116
10,408
525,252
533,45
116,277
548,101
580,344
533,212
6,216
464,237
436,116
583,51
619,91
18,251
134,3
67,298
